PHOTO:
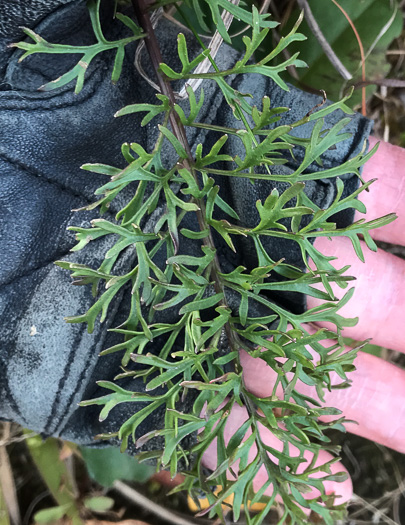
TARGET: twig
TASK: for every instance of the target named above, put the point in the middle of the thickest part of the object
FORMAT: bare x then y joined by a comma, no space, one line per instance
322,103
372,508
316,30
363,59
287,13
387,82
155,17
152,507
352,458
17,439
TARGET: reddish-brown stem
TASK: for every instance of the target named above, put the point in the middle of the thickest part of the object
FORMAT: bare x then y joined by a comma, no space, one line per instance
363,58
152,45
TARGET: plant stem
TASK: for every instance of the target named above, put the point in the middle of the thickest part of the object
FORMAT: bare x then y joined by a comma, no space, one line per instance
152,45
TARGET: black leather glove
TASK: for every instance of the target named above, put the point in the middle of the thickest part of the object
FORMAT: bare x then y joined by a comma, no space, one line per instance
46,365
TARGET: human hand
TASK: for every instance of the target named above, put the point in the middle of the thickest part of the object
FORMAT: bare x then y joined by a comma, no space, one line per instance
376,399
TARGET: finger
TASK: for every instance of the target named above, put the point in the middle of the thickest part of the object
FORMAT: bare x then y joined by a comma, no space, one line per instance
375,400
387,194
379,298
342,490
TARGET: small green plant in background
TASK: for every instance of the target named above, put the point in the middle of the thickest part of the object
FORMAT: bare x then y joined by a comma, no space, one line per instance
196,287
377,23
108,464
46,456
57,464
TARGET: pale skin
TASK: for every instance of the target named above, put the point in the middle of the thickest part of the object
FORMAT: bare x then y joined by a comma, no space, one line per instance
376,399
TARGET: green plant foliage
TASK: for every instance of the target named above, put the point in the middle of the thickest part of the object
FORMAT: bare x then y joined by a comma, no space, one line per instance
99,504
52,514
106,465
243,65
46,456
89,52
207,14
378,23
194,286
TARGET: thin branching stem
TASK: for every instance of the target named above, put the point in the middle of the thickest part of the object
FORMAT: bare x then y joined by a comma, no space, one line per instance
152,45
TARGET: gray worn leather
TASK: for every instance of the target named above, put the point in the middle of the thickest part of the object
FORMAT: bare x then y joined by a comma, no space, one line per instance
15,14
46,365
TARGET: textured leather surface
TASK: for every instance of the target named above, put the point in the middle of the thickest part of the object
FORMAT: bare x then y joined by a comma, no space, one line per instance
45,138
15,14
